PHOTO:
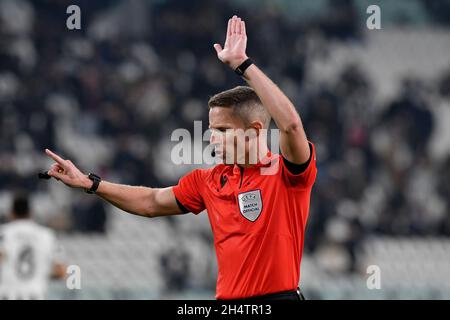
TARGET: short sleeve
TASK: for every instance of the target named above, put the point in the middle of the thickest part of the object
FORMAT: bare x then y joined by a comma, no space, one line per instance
306,178
188,191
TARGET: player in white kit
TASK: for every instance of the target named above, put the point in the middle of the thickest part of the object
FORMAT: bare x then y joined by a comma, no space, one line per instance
28,255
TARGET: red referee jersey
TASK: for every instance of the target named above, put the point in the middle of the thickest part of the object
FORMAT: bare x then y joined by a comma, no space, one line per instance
258,222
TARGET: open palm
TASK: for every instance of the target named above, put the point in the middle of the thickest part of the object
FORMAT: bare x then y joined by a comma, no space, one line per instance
233,51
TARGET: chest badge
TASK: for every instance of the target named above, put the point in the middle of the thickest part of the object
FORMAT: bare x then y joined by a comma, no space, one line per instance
250,204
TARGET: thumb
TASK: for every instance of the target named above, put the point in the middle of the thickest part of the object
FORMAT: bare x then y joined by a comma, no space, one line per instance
218,47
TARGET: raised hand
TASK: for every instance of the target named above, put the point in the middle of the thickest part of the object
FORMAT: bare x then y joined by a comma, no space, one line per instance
233,51
66,171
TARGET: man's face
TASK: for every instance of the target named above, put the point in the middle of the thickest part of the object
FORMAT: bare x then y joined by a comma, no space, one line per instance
223,124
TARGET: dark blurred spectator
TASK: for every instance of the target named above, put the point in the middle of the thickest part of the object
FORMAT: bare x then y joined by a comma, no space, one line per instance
89,216
175,266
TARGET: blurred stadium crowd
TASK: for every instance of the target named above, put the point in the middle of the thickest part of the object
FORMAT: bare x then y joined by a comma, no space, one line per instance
109,95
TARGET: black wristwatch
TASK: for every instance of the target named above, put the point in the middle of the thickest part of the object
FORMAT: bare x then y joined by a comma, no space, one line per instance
244,65
95,183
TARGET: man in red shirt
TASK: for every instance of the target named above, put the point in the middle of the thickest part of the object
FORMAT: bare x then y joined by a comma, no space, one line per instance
257,209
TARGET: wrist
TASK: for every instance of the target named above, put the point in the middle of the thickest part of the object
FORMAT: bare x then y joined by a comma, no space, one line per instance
236,63
86,183
240,70
95,182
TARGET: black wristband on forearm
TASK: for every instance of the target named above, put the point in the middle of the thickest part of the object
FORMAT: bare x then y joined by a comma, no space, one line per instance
244,65
95,183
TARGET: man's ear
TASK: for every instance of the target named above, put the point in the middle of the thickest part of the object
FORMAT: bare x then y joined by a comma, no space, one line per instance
257,126
253,130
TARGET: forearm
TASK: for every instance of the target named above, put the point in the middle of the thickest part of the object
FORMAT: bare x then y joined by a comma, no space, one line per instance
278,105
274,100
293,140
143,201
132,199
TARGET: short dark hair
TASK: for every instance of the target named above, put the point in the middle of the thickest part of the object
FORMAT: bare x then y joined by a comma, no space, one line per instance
245,103
21,206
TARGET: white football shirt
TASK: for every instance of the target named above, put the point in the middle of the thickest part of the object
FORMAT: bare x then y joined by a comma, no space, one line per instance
27,254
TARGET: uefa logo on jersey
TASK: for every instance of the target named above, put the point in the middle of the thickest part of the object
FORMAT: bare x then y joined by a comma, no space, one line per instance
250,204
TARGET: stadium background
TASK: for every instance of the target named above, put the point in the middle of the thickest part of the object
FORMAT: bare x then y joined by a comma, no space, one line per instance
375,102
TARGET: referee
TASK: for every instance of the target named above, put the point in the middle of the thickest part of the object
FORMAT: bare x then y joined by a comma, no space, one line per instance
258,220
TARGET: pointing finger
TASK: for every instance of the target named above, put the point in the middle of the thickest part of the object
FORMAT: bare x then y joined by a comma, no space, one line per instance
55,157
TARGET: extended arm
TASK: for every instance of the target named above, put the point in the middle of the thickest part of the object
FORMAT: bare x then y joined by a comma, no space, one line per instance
143,201
293,142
